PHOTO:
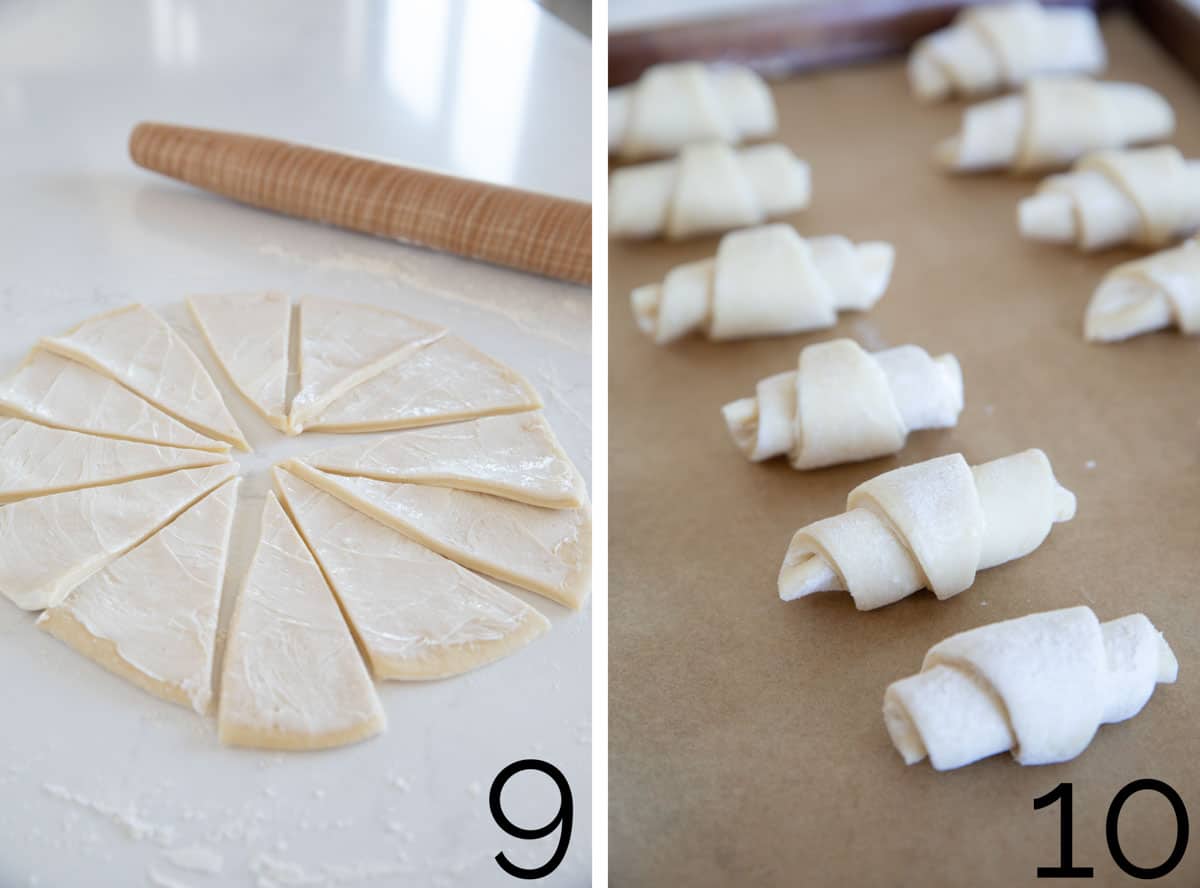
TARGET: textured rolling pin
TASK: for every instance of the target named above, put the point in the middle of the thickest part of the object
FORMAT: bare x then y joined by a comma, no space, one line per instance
520,229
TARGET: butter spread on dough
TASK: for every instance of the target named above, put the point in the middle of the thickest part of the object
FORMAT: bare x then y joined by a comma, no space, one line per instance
1148,294
1040,685
36,460
765,281
416,614
446,381
53,390
1054,121
708,187
516,457
248,335
151,615
930,525
1147,196
292,677
547,551
343,345
1000,45
139,349
674,104
844,404
51,544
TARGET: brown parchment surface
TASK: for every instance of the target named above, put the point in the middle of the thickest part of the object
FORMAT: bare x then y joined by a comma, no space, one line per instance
746,741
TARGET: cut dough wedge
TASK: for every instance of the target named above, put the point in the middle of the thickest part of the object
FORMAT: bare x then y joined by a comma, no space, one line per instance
516,457
139,349
446,381
343,345
248,335
36,460
547,551
416,614
151,615
51,544
53,390
292,677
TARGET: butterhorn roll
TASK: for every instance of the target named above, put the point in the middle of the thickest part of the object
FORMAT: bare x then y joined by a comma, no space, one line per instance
1153,293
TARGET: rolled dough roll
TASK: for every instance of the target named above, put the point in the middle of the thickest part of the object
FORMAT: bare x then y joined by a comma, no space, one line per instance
1002,45
1039,685
708,187
929,525
764,281
1148,294
672,105
845,404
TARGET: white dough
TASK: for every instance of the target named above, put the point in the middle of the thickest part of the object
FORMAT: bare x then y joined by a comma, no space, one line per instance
248,335
416,614
343,345
1148,294
151,615
1040,685
844,404
709,187
516,457
1053,122
55,391
139,349
764,281
930,525
992,47
674,104
292,677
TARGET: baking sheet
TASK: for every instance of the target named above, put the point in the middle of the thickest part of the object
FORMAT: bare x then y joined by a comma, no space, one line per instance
746,739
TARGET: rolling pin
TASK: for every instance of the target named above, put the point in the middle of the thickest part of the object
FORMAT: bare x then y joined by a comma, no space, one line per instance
531,232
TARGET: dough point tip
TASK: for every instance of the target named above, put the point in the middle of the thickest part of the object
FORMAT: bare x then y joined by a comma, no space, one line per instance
806,578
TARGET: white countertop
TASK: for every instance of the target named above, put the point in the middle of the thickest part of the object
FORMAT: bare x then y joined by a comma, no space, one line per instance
492,89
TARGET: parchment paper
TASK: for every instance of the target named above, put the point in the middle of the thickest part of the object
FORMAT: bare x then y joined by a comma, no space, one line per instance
747,745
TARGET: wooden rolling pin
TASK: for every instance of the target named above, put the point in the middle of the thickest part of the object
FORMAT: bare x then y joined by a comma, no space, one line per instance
520,229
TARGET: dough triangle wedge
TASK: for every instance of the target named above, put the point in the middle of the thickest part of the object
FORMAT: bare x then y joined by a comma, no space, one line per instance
151,616
51,544
343,345
292,677
55,391
416,614
139,349
248,335
516,457
447,381
547,551
36,460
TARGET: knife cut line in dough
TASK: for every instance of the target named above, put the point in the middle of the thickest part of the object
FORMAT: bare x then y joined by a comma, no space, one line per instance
547,551
416,614
248,334
1152,293
516,457
343,345
151,615
51,544
66,394
292,676
446,381
932,525
139,349
37,460
1039,685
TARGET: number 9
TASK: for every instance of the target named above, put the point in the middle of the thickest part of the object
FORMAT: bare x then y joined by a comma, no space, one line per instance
565,817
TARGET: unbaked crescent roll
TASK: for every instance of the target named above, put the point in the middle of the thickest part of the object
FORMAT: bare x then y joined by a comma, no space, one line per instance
708,187
1148,294
765,281
992,47
1039,685
845,404
1054,121
931,525
675,104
